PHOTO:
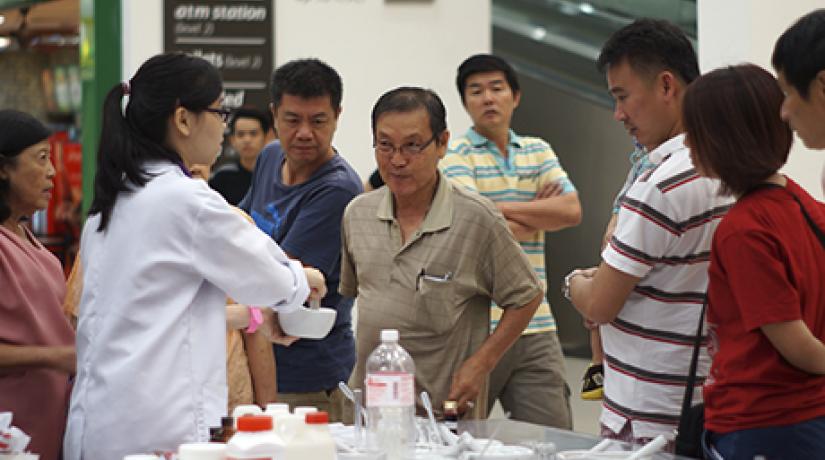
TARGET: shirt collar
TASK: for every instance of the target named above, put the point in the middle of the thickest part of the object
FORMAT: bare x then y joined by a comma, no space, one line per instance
440,214
163,166
666,148
479,140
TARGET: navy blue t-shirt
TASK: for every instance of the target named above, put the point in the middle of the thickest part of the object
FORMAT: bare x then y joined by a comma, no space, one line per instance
305,220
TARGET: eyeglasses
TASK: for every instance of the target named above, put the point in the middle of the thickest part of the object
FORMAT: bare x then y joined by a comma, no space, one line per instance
223,113
408,150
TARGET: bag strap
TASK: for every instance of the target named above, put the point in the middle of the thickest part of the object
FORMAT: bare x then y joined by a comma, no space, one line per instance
817,231
687,400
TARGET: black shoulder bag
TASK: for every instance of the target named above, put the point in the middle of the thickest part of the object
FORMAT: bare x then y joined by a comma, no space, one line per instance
692,421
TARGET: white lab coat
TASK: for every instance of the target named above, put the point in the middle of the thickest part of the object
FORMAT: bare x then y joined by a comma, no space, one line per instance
151,348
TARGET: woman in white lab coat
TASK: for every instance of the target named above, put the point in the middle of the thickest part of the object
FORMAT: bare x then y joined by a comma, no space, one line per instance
160,253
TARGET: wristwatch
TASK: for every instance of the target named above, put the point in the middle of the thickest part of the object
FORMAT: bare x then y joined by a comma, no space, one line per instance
565,289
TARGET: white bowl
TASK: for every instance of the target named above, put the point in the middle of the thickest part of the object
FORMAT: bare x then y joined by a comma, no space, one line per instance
308,323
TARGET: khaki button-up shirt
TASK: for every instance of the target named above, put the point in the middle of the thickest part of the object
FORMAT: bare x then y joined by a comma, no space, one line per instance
435,288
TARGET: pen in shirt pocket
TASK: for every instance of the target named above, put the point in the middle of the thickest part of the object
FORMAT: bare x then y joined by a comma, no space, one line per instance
423,275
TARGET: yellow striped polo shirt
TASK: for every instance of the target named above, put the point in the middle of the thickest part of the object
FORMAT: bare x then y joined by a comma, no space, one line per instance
475,163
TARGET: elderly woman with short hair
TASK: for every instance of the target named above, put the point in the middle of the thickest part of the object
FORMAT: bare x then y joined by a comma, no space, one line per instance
37,354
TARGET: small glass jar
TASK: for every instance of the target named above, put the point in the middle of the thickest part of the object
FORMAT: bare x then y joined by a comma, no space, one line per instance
451,415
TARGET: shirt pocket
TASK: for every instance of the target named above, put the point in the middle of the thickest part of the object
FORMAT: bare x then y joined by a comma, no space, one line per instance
435,304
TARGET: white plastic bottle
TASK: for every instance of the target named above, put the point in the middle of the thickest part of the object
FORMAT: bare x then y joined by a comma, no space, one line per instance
303,410
254,440
277,411
202,451
246,409
390,388
312,441
273,408
288,425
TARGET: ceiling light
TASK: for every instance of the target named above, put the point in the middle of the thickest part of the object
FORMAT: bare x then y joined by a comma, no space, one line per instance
4,43
586,8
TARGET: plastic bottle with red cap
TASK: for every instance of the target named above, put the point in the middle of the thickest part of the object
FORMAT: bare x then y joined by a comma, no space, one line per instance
254,440
313,440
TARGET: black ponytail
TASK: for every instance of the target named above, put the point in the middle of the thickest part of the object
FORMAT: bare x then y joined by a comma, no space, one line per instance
128,140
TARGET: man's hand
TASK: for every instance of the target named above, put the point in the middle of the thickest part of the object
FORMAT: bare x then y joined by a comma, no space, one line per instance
588,272
548,190
467,383
599,294
317,283
271,329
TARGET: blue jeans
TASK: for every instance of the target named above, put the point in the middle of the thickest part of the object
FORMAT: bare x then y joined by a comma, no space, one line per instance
804,440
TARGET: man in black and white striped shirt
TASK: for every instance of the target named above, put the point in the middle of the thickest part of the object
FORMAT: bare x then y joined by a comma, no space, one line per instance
648,291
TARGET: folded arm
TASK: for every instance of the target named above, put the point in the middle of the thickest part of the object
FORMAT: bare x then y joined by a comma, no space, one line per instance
544,214
599,294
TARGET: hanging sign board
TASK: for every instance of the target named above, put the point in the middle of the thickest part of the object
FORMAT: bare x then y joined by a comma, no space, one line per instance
236,36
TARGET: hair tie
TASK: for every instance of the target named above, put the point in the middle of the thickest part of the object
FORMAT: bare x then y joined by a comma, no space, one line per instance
126,88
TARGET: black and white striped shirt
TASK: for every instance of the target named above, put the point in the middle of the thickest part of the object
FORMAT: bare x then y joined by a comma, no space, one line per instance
664,232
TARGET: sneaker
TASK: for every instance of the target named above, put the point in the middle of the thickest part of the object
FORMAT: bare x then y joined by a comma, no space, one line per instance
593,386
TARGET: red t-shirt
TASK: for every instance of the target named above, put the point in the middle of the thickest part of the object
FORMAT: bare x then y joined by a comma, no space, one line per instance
767,266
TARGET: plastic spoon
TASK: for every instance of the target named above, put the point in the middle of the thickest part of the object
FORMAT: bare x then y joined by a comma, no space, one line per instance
347,391
650,448
428,406
359,419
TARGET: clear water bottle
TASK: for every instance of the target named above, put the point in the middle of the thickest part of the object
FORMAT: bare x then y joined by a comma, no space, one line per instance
390,388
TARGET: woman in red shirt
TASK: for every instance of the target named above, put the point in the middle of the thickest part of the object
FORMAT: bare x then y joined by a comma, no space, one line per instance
37,353
765,394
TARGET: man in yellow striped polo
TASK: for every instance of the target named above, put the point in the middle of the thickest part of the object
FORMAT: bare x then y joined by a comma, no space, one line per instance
525,180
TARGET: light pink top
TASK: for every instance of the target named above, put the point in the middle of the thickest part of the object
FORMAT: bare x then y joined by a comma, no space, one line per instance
32,287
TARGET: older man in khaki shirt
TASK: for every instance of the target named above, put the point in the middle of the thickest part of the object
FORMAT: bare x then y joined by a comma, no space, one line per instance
426,258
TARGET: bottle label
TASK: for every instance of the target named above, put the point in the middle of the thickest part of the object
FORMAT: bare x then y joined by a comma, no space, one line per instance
390,389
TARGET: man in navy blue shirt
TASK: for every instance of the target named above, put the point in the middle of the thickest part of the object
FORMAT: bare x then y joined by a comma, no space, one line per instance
299,190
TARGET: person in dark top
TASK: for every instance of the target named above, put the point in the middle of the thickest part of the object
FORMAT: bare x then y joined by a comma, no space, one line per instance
300,188
247,134
375,181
